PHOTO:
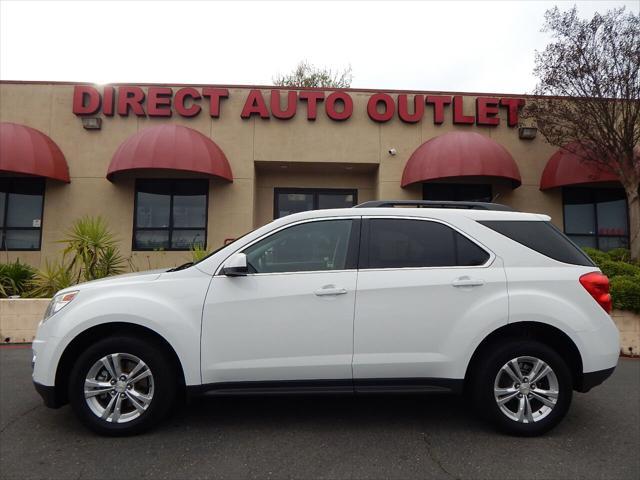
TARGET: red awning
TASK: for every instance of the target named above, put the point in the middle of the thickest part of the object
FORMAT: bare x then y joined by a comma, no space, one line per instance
460,154
567,168
170,147
28,151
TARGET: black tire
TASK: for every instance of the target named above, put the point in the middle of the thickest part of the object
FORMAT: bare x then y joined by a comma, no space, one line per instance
485,377
164,376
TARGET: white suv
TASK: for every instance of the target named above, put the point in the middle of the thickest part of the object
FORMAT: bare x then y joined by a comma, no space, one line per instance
467,297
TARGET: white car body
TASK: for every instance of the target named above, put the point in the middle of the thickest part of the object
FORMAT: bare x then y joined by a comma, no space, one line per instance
396,325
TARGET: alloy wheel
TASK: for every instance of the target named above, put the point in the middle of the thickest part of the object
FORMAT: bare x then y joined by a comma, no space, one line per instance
119,387
526,389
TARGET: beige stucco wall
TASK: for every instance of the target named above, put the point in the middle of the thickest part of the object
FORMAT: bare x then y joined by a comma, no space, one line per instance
19,318
316,154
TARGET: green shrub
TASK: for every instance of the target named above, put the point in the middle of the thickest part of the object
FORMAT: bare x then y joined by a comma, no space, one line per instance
625,290
596,255
624,276
15,278
614,269
619,255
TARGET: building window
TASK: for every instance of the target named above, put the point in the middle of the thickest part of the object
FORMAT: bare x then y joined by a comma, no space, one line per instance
21,203
460,192
170,214
596,217
294,200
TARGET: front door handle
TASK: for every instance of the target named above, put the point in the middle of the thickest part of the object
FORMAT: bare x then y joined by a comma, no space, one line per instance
466,281
330,290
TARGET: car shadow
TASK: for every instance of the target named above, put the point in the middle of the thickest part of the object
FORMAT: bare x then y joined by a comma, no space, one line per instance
326,411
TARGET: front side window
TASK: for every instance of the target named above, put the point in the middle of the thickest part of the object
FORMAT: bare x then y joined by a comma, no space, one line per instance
459,192
313,246
294,200
399,243
21,204
596,217
170,214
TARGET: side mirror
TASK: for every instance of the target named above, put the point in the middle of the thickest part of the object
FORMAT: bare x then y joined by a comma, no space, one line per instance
236,266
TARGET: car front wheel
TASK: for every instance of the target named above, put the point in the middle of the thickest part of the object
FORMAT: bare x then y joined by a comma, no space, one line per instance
524,388
122,386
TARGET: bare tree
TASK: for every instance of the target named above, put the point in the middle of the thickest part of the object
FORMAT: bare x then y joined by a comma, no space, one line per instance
596,63
307,75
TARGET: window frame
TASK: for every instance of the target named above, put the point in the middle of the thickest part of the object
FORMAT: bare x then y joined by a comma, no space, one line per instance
4,228
363,258
457,187
170,228
593,197
315,192
353,249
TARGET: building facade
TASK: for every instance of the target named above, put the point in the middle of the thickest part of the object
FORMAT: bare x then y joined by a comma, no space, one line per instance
173,166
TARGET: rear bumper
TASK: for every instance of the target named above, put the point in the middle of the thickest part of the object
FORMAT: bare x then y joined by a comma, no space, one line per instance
48,395
593,379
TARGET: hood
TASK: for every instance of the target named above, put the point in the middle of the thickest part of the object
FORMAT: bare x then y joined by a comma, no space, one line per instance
134,277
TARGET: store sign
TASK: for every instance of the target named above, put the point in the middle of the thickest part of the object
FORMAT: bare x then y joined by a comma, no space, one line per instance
284,105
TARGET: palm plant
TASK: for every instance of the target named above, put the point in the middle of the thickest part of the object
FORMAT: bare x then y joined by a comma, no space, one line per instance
53,277
93,250
198,252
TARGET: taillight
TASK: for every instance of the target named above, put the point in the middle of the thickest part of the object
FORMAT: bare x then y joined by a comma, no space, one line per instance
597,285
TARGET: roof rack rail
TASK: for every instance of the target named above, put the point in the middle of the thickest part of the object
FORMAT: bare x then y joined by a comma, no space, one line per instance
435,204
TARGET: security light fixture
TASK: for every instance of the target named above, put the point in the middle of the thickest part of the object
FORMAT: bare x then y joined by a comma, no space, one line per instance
527,133
92,123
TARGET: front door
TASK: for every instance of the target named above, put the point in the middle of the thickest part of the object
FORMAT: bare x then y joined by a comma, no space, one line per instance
424,291
291,317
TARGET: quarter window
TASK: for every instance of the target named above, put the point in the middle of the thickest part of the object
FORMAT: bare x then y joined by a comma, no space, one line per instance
398,243
170,214
294,200
596,217
314,246
21,203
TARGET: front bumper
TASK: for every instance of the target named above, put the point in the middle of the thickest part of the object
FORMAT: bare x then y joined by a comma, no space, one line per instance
49,395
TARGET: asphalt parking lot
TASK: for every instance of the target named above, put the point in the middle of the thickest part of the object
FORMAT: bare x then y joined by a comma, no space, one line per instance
321,437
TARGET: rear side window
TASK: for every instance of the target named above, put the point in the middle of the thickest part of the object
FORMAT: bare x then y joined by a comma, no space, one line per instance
543,237
398,243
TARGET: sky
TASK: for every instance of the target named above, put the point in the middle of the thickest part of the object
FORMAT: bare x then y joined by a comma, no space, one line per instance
481,46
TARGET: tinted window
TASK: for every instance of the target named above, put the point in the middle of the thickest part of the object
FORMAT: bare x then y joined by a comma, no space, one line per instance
21,201
542,237
460,192
294,200
170,214
313,246
398,243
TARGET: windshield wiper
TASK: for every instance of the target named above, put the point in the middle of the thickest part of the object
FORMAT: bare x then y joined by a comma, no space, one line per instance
180,267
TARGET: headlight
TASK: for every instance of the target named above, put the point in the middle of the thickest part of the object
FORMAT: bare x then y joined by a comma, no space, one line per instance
58,303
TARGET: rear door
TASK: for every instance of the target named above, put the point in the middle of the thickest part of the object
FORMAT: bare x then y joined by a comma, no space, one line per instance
424,291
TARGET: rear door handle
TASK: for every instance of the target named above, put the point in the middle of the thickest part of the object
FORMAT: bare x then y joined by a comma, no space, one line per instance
330,290
467,282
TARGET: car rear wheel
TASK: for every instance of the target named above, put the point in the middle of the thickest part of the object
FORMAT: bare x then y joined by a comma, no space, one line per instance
524,388
122,386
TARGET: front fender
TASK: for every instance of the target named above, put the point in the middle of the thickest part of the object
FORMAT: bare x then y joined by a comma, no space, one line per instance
170,306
